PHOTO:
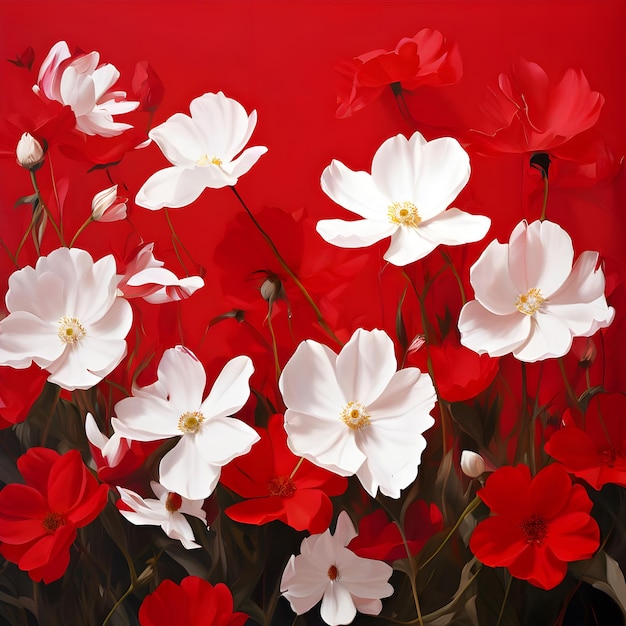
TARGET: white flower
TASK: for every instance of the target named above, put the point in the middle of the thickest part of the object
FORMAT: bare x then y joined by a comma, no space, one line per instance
112,449
173,407
166,512
107,206
529,299
353,413
203,149
406,196
328,571
29,152
78,81
65,316
145,277
472,464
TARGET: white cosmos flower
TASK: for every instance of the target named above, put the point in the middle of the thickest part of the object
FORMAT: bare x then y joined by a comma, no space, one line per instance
166,512
64,315
353,413
173,407
529,299
203,150
328,571
405,197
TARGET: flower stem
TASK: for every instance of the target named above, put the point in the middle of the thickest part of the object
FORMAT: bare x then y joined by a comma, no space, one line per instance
176,240
57,230
506,596
274,344
130,589
453,269
320,318
80,230
295,469
545,197
468,509
568,387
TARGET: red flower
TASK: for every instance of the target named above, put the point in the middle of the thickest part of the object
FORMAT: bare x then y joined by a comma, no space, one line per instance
38,520
18,391
264,477
594,448
529,113
194,602
537,524
426,59
147,87
381,540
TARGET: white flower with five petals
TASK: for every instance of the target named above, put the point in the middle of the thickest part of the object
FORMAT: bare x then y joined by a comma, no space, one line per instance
327,570
529,299
173,407
65,316
203,150
353,413
405,197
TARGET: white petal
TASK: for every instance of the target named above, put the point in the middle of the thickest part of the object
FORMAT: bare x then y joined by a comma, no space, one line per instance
231,389
146,419
356,234
301,586
246,161
549,337
365,365
221,440
355,191
72,370
584,284
24,337
454,227
484,332
395,167
337,605
185,471
172,187
182,375
407,246
179,140
345,531
583,319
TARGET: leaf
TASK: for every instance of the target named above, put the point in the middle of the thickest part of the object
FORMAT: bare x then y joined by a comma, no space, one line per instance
31,199
400,327
603,573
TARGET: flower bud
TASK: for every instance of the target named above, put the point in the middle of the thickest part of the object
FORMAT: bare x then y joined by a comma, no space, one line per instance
29,152
107,206
272,289
472,464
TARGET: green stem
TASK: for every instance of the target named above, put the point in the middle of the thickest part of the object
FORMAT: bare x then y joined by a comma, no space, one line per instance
570,392
33,179
130,589
453,269
29,230
6,249
274,344
320,318
545,197
81,229
176,240
506,596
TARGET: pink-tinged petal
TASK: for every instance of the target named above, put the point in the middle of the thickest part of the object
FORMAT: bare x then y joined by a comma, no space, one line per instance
368,606
183,377
444,170
142,513
549,337
355,234
484,332
364,578
185,471
395,166
355,191
98,122
231,389
337,605
246,161
172,187
583,319
308,383
146,419
179,140
222,439
24,338
492,282
407,246
158,285
301,586
584,284
345,531
454,227
48,78
365,366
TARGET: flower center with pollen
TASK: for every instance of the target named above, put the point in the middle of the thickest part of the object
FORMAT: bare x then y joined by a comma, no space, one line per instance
529,302
404,213
333,572
190,422
281,486
52,521
354,416
173,502
535,528
205,159
70,329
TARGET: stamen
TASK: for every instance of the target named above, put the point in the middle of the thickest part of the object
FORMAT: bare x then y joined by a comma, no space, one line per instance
608,456
190,422
173,502
529,302
354,416
52,521
282,487
333,572
404,213
70,330
205,159
535,528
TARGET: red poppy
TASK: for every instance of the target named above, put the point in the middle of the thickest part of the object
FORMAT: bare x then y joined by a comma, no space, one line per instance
380,539
537,525
594,447
194,602
265,477
426,59
18,391
147,87
38,520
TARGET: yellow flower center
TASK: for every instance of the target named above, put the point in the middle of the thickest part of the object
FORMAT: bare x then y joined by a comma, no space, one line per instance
205,159
403,213
70,329
190,422
529,302
354,416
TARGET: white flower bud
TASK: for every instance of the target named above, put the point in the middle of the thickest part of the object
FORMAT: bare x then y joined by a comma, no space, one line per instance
29,152
107,206
272,289
472,464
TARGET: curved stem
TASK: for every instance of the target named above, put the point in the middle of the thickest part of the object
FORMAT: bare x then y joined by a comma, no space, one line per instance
545,197
274,344
57,230
320,318
453,269
130,589
176,240
506,596
81,229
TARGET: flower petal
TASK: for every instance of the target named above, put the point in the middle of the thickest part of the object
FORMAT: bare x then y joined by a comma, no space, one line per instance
172,187
454,227
231,389
407,245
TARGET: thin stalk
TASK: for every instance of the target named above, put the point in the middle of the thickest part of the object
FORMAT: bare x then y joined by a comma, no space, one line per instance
453,269
568,387
33,179
6,249
545,197
274,344
29,230
295,469
506,596
130,589
176,240
81,229
320,318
